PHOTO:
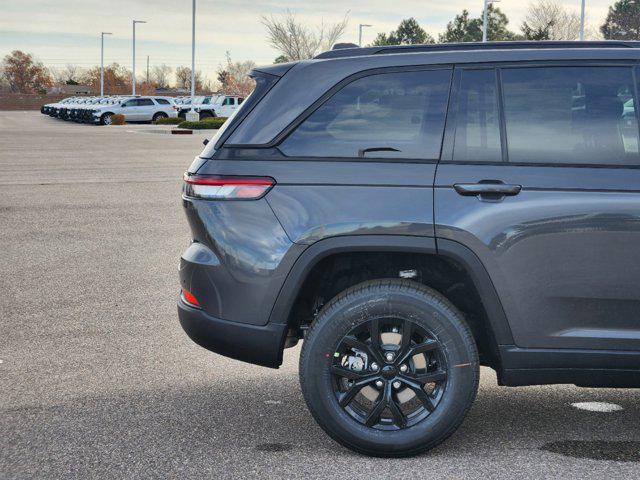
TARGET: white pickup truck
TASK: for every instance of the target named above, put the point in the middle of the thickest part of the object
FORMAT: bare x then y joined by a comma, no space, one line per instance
212,106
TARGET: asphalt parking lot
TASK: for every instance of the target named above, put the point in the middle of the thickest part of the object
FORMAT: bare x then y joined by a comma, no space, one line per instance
97,379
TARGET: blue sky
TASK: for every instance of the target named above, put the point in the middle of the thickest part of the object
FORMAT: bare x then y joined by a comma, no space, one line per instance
58,32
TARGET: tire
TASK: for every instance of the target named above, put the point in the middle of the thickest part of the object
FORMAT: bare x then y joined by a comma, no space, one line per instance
205,114
434,326
158,116
105,119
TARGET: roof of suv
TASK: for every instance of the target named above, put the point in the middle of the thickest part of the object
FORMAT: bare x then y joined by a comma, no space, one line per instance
351,50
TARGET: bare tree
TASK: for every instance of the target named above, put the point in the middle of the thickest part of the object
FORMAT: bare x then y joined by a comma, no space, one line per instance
233,77
183,78
160,75
552,18
297,41
73,73
70,74
58,75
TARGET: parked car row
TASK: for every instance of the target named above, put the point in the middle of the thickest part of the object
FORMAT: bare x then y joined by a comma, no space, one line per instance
100,110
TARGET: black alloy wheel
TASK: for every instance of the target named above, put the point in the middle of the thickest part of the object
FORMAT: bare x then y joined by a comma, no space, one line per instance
389,368
392,385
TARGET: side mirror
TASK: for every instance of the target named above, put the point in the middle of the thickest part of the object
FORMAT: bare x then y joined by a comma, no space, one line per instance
123,105
205,142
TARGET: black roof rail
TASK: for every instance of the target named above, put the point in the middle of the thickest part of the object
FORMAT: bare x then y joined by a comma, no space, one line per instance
440,47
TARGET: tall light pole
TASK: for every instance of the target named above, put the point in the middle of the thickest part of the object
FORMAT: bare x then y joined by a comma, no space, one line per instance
360,27
485,18
102,34
133,79
193,53
582,21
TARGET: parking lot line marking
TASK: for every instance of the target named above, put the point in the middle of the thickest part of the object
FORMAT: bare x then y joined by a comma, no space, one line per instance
603,407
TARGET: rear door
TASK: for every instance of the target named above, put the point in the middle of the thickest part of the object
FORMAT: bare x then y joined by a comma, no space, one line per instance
146,108
540,177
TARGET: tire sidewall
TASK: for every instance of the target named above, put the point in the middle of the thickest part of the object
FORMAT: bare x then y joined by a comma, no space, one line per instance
429,311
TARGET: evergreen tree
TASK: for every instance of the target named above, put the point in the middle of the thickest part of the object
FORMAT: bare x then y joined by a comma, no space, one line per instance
409,32
623,21
466,29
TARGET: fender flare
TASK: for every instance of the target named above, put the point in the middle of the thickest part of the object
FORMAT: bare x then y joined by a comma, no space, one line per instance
395,243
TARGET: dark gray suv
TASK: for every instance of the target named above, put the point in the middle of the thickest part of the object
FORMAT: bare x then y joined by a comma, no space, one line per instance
415,212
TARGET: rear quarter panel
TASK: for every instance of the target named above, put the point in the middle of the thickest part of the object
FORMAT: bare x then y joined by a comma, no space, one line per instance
320,199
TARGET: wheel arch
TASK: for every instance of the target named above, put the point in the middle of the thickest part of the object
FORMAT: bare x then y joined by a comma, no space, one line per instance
500,331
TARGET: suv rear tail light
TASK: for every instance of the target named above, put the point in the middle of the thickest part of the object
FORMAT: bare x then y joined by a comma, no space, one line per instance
225,187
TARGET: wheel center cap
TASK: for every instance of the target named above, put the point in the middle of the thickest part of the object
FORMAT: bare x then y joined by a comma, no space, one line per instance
389,371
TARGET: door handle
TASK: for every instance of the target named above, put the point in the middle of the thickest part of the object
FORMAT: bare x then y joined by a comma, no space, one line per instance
494,189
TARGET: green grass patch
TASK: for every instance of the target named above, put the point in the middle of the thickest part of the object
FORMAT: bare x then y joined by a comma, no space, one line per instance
206,124
168,121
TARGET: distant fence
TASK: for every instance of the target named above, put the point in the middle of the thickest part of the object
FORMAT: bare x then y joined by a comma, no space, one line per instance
27,101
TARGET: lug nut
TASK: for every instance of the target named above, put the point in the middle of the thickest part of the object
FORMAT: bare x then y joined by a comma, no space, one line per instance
403,368
374,367
379,383
389,357
397,385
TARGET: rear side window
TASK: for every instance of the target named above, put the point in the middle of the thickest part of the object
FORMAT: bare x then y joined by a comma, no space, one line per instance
477,136
162,101
398,115
579,115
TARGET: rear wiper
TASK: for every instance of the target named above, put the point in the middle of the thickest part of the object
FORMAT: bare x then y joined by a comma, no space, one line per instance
362,151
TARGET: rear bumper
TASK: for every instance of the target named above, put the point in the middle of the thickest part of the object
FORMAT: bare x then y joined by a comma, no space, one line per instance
257,344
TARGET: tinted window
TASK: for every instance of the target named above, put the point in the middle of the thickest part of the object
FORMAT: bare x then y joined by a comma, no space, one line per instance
570,115
400,111
143,102
477,135
162,101
131,103
240,100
